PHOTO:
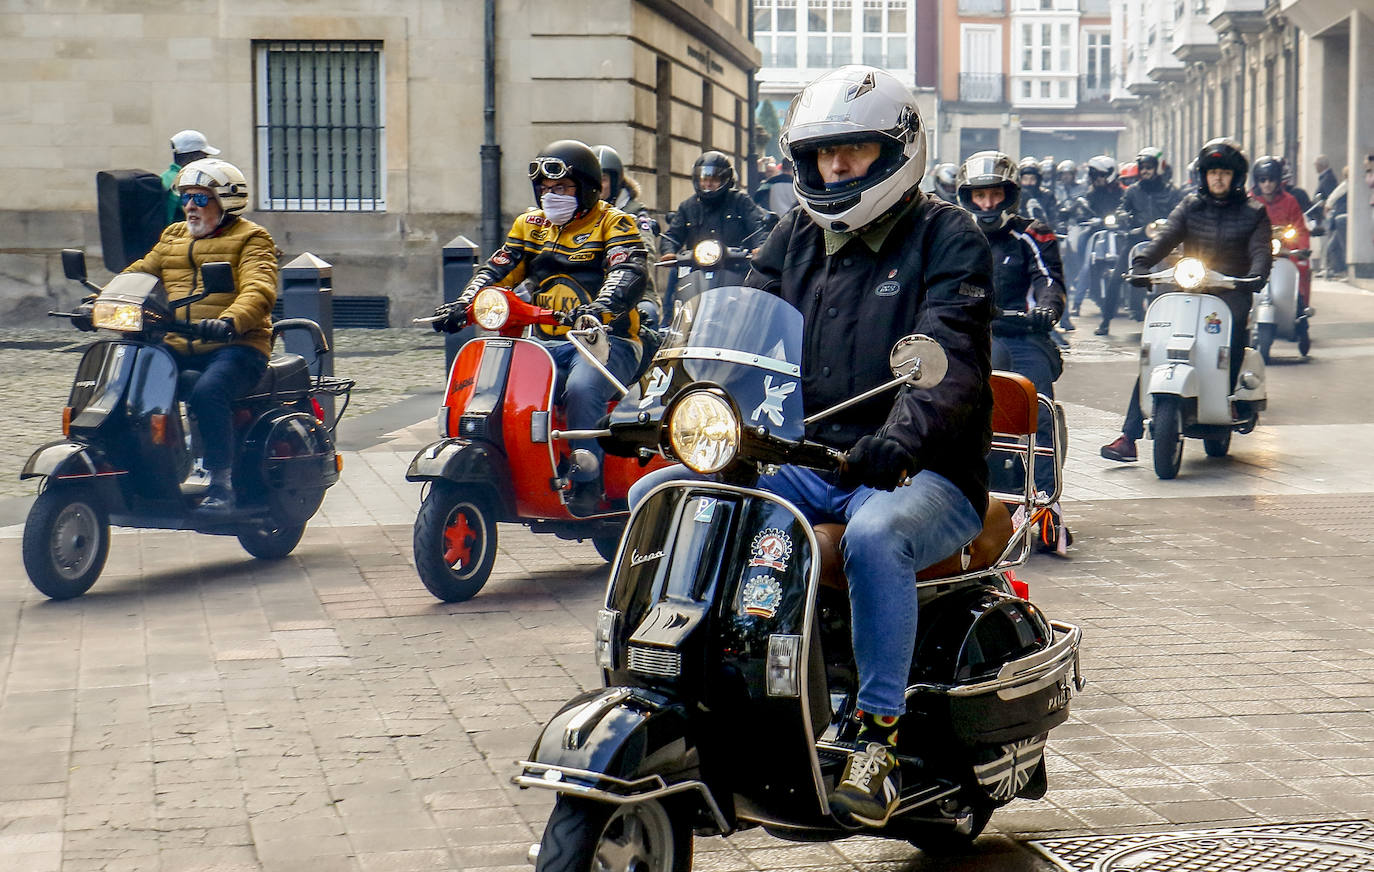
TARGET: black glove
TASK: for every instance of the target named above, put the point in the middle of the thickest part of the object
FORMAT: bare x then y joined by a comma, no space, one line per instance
1140,280
215,329
596,310
1042,319
452,317
1249,283
878,462
82,319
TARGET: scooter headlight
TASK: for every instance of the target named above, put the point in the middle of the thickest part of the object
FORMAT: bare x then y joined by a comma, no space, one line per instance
1109,221
126,317
491,309
1190,274
1154,228
707,252
1275,247
1290,233
704,432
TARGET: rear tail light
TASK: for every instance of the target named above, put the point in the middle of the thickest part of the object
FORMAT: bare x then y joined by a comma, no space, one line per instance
1018,587
317,410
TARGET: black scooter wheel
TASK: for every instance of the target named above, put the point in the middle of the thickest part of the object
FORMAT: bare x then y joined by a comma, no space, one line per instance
584,835
1264,339
606,546
943,840
455,541
270,541
66,541
1167,431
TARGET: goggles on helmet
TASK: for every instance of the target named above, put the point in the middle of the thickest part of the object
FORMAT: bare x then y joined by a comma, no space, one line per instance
548,167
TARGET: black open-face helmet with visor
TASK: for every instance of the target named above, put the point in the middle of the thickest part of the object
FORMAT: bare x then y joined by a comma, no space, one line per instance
990,169
573,160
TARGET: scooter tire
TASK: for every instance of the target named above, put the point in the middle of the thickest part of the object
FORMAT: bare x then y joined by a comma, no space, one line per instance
937,840
1167,431
269,541
66,541
654,839
606,546
455,541
1304,339
1217,447
1264,339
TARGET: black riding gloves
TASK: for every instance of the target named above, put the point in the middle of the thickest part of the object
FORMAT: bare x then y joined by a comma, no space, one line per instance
592,309
82,319
215,329
1042,319
452,317
1140,280
878,462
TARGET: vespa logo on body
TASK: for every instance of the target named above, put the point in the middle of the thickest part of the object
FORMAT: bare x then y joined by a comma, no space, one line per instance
636,558
772,400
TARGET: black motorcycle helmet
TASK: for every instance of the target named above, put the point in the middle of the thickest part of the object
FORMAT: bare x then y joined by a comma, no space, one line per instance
1267,169
713,164
990,169
1223,153
1030,167
568,157
611,168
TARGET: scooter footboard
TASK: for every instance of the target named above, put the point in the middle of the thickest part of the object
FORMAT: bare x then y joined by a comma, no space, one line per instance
619,745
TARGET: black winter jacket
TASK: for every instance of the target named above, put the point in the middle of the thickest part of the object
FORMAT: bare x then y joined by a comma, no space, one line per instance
1044,196
1101,202
1231,237
1146,201
932,275
734,218
1027,272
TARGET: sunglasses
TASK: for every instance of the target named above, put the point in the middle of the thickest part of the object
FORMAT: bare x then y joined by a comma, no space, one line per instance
200,198
548,167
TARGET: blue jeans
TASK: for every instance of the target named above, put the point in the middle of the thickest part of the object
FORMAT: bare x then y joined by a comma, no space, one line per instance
889,536
1034,358
225,375
584,391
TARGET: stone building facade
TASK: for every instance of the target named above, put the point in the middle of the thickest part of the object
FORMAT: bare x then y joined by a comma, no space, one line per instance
359,123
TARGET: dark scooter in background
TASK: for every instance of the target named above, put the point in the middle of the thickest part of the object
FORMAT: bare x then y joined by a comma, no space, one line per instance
129,448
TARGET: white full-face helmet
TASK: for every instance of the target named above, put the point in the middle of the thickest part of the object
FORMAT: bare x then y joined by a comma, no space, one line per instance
851,104
221,177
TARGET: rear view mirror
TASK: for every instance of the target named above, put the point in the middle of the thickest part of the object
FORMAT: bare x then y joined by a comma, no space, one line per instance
219,278
74,264
920,360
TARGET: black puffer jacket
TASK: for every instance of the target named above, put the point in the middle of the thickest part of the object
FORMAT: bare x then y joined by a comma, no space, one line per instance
734,218
1146,201
1231,236
1027,270
932,274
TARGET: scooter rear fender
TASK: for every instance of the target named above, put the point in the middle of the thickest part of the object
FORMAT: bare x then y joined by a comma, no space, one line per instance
72,461
620,745
1179,379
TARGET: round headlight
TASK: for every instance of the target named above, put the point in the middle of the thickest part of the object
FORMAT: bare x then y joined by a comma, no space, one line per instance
491,309
1190,273
1290,233
1275,247
707,252
704,432
1153,229
1110,220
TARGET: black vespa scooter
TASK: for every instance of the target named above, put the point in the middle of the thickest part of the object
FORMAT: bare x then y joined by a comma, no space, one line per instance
727,616
129,450
709,264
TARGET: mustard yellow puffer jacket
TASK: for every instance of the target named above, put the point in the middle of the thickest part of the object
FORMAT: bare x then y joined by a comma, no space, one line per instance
249,249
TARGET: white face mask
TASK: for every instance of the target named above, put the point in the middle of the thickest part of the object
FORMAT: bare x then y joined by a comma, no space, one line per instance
558,208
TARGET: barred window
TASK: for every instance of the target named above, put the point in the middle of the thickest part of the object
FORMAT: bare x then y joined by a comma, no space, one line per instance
321,140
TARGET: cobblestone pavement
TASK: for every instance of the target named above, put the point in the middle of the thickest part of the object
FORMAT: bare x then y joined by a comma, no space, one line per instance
198,710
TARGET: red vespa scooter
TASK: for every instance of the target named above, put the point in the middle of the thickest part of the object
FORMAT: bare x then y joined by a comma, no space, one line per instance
503,455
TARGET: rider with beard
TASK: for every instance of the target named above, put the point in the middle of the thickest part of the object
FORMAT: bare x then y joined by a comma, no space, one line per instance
1102,198
716,211
1036,202
1028,279
1149,199
585,257
868,259
1227,231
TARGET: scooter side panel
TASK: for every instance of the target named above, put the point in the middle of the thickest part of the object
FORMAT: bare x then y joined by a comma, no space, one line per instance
1283,294
529,389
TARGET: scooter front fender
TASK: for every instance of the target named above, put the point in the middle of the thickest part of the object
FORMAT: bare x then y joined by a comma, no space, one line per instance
72,461
619,745
1179,379
464,461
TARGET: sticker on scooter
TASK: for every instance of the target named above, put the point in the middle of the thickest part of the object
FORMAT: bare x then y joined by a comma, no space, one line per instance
772,400
706,510
771,548
761,596
658,386
1213,323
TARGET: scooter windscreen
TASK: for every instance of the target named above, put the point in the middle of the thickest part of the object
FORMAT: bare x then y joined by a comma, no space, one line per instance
744,340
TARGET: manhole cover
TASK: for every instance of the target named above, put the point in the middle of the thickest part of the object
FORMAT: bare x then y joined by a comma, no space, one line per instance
1330,846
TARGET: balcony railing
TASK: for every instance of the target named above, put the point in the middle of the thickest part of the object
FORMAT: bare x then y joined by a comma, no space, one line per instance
1093,89
982,7
982,87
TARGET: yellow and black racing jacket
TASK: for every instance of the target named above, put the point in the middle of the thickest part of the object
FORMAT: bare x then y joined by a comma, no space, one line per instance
596,257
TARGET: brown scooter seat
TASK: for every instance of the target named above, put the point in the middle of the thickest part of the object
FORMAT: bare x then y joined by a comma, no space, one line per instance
1015,410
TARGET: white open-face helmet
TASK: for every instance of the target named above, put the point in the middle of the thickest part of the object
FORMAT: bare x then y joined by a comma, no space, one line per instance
220,176
855,104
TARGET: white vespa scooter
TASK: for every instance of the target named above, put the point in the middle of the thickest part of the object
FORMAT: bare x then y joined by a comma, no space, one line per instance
1279,313
1185,367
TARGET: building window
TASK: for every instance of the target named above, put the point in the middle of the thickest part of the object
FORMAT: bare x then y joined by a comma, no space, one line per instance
321,141
775,32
